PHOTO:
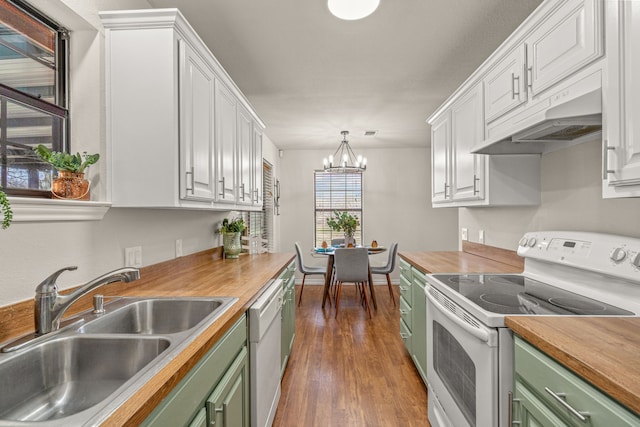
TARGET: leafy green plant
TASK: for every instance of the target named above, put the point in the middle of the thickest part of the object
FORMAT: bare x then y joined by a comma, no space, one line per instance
343,221
65,161
236,225
5,208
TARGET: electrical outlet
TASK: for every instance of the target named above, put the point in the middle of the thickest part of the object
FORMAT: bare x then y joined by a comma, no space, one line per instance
481,236
133,256
178,248
464,233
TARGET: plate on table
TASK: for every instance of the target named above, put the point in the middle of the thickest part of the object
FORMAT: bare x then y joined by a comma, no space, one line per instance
376,249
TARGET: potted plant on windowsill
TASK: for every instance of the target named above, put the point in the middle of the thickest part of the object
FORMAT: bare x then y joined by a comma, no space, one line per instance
231,231
5,209
345,222
70,182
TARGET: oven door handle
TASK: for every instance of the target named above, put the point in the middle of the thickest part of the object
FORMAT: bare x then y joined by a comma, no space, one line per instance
481,334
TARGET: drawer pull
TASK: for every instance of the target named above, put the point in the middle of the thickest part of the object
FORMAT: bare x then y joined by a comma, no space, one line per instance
403,312
559,397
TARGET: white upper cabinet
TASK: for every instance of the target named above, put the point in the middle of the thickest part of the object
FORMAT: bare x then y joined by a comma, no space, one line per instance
175,137
505,84
225,120
467,126
461,178
621,145
567,40
197,83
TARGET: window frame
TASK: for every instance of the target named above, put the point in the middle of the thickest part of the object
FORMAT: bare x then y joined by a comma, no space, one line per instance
358,211
58,110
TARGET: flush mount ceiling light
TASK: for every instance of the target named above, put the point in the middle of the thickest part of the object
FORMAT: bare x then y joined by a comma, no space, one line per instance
351,10
344,160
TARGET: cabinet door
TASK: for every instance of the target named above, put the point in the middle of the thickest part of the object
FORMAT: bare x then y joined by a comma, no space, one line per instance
570,38
257,166
196,126
245,157
529,411
467,124
419,326
622,144
228,405
200,419
440,140
504,85
225,123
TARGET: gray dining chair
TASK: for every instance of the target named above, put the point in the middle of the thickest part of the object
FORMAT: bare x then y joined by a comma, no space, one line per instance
352,266
306,270
387,269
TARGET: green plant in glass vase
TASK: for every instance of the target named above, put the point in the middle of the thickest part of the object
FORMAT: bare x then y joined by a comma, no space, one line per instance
345,222
231,230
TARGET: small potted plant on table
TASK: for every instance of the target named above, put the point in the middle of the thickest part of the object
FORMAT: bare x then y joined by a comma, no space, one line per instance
70,182
231,231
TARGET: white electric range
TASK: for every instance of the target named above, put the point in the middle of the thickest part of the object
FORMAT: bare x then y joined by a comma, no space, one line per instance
470,351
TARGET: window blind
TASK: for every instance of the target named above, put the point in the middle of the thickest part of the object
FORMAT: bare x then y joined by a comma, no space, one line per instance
336,192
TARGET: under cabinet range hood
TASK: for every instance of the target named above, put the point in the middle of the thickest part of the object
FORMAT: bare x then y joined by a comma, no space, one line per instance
549,125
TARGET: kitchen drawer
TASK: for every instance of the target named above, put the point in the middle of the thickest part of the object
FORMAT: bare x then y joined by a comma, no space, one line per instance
405,270
405,290
405,313
405,334
543,375
418,276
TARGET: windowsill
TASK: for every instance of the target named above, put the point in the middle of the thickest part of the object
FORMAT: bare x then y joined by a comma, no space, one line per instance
42,210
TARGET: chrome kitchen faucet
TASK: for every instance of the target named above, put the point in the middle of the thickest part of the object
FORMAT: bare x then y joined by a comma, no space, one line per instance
50,306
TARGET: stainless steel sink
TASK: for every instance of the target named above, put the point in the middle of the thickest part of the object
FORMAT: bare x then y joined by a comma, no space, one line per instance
154,316
67,375
80,374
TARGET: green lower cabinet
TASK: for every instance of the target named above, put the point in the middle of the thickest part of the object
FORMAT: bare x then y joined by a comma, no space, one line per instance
223,372
413,315
228,405
419,325
288,315
546,394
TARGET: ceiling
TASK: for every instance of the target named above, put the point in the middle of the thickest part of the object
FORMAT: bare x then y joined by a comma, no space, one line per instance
310,75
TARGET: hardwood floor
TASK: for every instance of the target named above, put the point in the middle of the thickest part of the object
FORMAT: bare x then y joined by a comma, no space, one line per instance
350,371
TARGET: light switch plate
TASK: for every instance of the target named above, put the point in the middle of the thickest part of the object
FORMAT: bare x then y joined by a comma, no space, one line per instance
178,248
133,257
481,236
464,233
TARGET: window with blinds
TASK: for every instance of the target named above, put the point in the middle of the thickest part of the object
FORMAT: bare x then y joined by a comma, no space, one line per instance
336,192
260,224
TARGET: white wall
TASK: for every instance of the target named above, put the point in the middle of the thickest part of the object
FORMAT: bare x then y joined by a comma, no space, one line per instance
29,252
397,202
571,200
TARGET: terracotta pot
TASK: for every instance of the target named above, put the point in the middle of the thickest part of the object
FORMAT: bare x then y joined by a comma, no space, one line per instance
70,185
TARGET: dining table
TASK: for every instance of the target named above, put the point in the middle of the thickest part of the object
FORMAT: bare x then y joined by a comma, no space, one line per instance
329,253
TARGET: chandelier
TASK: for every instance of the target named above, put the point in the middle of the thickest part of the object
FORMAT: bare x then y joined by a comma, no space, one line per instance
344,159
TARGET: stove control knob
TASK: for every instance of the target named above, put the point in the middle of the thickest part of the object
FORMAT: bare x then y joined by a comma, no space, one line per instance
618,255
523,241
636,261
532,242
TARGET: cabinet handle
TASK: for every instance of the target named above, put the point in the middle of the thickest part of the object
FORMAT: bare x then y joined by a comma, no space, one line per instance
403,312
446,186
403,288
192,181
222,193
605,159
257,193
224,415
530,76
475,185
510,409
403,336
515,86
582,416
242,191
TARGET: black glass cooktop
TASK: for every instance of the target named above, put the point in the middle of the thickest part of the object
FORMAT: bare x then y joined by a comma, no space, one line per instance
513,294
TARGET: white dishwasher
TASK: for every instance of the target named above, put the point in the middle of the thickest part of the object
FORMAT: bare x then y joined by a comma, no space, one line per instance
264,346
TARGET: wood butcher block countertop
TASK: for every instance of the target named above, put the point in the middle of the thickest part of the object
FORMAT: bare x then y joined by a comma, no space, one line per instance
202,274
603,350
